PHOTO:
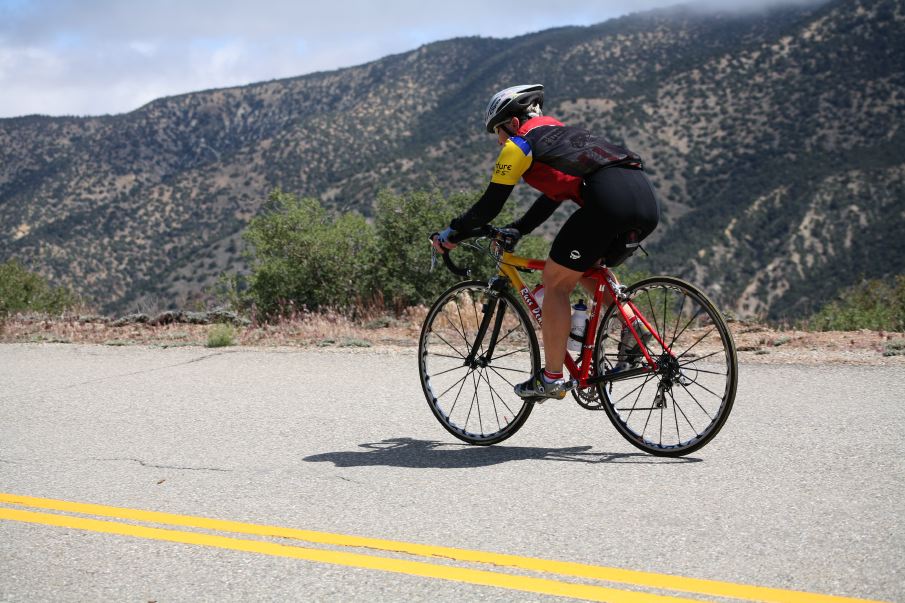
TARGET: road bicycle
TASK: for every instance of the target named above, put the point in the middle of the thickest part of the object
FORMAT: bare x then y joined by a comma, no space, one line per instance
478,341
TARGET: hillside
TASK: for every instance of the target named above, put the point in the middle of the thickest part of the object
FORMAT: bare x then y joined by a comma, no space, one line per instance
774,139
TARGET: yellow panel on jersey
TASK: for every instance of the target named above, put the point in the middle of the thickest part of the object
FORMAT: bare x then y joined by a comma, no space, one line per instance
514,160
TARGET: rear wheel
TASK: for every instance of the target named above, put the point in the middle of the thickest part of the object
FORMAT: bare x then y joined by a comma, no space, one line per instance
469,387
681,406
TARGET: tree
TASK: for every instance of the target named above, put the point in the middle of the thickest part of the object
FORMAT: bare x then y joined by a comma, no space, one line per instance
303,255
22,291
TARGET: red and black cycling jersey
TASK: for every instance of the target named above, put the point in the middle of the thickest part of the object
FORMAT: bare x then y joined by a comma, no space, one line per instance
551,157
570,149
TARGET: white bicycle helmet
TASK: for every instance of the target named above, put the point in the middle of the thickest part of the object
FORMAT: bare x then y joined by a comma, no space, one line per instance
512,102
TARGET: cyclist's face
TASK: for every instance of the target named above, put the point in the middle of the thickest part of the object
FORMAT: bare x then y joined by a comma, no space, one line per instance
502,134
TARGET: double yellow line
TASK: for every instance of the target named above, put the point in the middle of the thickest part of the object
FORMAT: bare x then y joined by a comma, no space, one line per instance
591,592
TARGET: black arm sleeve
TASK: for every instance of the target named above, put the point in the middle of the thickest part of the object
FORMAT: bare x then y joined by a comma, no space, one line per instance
542,208
485,209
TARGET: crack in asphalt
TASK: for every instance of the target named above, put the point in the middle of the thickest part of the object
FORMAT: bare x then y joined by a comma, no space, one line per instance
351,481
111,377
152,465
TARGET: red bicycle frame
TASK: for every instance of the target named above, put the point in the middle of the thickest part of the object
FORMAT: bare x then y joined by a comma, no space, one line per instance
606,283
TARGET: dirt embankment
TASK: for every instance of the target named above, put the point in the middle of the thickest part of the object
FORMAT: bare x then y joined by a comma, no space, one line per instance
756,343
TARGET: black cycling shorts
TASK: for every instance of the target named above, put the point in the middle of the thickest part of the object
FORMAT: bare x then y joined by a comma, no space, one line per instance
615,200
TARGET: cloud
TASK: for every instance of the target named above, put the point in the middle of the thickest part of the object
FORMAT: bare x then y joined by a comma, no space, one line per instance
108,56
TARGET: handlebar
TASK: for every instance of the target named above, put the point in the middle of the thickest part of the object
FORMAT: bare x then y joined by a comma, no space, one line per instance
507,237
463,272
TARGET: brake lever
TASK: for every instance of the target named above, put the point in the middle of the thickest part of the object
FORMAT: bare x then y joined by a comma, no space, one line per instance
433,258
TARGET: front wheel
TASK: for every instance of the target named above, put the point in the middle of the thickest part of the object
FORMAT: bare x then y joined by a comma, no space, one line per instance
678,408
475,345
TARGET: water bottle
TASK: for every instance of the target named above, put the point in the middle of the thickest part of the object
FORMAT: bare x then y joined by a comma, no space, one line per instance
538,293
579,324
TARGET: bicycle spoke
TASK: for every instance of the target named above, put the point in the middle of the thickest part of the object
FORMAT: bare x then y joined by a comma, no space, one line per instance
502,401
504,368
644,428
640,389
635,403
503,338
458,393
678,318
450,370
688,391
649,377
696,359
675,416
480,421
695,382
665,320
661,410
452,325
440,337
653,313
700,370
704,336
464,329
510,353
474,397
676,405
462,380
512,412
448,356
496,412
501,376
688,324
477,322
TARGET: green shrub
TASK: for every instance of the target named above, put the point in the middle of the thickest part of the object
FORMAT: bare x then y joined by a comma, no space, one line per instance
403,224
303,256
875,304
894,348
24,291
220,336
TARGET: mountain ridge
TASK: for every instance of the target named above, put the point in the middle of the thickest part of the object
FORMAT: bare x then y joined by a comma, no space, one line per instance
726,109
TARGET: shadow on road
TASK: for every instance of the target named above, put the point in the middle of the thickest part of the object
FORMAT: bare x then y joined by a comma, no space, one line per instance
420,454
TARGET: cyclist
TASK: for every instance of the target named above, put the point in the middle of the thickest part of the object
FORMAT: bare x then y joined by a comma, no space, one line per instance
607,182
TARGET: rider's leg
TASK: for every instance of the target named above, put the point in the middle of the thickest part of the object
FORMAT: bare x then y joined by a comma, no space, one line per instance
559,282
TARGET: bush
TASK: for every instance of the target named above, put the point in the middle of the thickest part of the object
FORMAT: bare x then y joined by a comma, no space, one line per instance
875,304
403,224
220,336
303,255
24,291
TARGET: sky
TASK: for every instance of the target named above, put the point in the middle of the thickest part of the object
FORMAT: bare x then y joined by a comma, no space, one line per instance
94,57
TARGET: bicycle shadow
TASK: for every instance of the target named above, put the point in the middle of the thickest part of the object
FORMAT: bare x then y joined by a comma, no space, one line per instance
422,454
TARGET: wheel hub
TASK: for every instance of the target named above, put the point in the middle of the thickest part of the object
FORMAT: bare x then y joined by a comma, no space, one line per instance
670,371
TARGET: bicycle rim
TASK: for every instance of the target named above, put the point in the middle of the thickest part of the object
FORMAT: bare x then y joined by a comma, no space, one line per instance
682,406
473,398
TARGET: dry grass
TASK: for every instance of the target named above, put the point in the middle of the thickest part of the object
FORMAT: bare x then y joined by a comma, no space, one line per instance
755,342
302,329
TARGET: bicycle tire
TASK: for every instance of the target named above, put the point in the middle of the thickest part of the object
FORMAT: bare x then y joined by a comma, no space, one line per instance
443,349
710,370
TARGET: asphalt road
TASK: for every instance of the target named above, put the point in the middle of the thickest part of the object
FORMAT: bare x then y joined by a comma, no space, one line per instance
804,489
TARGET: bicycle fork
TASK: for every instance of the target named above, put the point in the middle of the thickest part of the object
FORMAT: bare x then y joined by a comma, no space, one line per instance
493,307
